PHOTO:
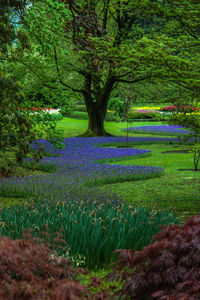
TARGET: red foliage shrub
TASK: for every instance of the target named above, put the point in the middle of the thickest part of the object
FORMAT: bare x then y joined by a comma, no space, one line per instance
27,271
181,108
168,108
167,269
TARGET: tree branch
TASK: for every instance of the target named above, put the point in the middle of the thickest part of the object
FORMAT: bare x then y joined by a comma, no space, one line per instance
138,79
59,75
188,29
105,18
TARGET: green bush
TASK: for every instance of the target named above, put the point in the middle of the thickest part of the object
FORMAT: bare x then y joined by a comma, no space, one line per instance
111,116
190,122
16,129
116,105
81,107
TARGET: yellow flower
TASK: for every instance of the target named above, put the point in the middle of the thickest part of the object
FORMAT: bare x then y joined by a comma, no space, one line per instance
147,107
193,113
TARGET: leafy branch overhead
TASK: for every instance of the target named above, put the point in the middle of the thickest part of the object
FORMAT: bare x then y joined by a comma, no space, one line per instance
91,46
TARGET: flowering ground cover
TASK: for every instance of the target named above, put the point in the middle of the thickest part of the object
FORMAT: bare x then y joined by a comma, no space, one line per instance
169,129
78,165
84,218
144,114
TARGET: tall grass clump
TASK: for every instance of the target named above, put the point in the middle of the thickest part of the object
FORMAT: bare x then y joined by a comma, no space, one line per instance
91,230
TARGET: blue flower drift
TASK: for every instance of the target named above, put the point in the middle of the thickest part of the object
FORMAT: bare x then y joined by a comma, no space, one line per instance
78,168
159,128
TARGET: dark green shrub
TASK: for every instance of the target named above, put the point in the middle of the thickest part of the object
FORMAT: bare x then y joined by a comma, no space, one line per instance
190,122
116,105
112,117
16,129
81,107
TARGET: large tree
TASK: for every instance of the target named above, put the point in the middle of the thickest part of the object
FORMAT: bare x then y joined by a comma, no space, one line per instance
96,45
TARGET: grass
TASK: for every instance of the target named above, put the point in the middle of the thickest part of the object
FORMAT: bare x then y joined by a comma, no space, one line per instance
175,189
74,127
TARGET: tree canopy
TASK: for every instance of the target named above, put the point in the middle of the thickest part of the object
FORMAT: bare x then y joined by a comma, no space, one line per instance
89,47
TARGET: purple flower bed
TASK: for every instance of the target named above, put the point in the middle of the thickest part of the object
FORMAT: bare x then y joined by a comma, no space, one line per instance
160,129
78,167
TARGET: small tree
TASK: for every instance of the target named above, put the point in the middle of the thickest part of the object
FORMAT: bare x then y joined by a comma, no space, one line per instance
189,121
196,156
127,98
192,123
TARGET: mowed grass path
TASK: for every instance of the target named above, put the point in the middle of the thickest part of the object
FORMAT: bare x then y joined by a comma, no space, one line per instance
175,189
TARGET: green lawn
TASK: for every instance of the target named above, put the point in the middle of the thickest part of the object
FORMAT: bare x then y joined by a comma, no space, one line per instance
73,127
175,189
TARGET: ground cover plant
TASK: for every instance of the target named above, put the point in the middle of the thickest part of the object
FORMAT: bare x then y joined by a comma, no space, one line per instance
160,129
92,230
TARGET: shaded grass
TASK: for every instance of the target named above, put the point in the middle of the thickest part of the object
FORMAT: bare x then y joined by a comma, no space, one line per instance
79,115
26,168
106,286
121,158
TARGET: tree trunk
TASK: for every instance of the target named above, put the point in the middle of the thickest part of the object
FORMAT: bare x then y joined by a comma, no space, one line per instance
96,117
97,108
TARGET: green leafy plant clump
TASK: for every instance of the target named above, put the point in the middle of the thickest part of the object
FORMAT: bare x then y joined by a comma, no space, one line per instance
90,230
